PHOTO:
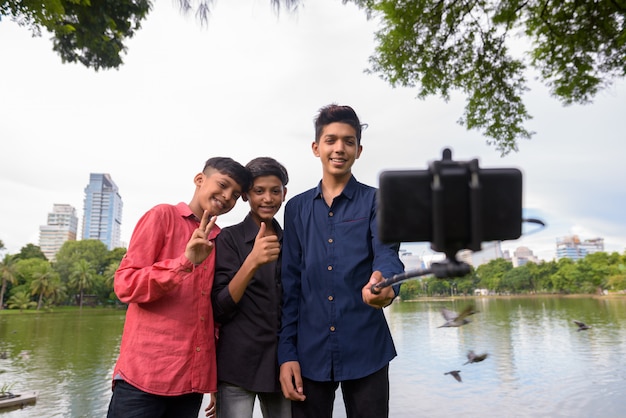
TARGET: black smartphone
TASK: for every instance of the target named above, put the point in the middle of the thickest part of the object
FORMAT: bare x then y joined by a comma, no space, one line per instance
453,208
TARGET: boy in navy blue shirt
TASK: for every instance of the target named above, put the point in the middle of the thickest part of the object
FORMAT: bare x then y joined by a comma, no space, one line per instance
333,328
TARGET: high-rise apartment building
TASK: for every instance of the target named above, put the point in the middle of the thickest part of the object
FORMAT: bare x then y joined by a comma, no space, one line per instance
522,256
102,218
572,247
62,226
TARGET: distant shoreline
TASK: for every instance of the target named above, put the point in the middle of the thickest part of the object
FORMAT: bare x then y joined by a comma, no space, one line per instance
520,296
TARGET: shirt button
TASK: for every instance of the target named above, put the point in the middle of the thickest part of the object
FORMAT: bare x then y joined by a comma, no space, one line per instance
330,268
203,293
330,298
332,329
202,318
330,214
330,240
187,270
197,348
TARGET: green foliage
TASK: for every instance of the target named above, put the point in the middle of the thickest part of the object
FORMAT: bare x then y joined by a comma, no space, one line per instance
491,275
30,251
593,274
44,282
5,388
94,252
439,46
8,275
92,32
21,300
83,278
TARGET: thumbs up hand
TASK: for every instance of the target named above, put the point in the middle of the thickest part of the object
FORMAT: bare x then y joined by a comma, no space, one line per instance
266,248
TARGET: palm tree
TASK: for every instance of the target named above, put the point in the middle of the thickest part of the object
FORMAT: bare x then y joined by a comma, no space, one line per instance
8,273
20,300
109,274
82,277
42,283
57,292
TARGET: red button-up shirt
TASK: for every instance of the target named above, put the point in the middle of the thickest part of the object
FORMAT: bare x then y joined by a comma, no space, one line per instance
168,345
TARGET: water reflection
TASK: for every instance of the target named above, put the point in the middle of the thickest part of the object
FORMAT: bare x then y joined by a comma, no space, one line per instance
539,365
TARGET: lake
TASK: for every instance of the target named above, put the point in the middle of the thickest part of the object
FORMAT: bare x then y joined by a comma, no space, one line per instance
538,364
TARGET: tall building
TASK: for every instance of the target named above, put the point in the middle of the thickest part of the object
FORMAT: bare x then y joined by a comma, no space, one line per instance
523,255
490,250
102,218
62,226
572,247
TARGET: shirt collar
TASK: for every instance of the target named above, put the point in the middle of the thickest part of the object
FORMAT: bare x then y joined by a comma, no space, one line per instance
185,211
347,191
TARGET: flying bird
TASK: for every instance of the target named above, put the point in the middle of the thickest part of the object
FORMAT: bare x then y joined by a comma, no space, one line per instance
456,374
475,358
581,325
454,319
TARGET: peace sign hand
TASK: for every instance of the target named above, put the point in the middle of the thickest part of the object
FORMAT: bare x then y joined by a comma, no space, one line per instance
199,247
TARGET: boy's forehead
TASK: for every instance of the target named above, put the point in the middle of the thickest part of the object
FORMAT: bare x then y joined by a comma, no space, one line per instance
332,128
216,174
267,178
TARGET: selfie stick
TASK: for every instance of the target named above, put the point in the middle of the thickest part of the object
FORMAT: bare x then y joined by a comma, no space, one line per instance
450,267
441,270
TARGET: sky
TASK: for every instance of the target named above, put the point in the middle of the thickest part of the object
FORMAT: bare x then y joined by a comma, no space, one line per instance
249,85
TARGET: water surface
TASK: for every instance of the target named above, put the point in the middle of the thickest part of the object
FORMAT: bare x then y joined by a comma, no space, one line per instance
538,364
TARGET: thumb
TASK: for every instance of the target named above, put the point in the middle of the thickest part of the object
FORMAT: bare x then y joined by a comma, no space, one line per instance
261,232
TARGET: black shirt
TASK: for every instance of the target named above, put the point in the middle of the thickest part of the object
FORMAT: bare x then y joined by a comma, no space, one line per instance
248,330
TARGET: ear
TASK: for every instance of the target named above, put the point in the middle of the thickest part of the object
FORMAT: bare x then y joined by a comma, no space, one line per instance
284,193
198,179
315,148
244,196
358,153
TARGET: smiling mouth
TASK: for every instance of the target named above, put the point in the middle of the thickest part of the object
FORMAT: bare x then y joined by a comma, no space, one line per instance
219,203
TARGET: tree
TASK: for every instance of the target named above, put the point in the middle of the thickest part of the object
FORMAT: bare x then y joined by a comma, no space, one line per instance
31,251
20,300
43,283
492,273
92,32
578,48
8,272
93,251
82,278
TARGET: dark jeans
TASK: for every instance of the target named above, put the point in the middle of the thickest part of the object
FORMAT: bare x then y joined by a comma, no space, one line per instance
129,402
363,398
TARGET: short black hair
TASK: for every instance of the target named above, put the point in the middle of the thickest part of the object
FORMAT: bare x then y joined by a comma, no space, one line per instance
267,166
337,113
231,168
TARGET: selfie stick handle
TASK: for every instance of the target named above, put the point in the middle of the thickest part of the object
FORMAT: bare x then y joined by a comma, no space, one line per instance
448,268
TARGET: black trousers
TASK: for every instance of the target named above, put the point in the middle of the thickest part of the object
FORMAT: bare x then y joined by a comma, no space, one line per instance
363,398
129,402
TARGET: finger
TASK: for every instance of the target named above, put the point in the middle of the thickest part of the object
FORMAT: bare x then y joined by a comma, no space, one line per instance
210,225
261,232
204,220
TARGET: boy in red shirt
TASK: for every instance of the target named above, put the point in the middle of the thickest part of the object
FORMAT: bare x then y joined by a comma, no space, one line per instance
167,355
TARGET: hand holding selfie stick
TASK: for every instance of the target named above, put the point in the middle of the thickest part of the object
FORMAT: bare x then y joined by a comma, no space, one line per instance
441,270
456,217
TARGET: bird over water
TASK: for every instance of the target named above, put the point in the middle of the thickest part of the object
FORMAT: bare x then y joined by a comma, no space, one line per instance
454,319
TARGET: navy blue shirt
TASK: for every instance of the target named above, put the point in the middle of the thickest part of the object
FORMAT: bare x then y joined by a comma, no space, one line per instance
329,254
